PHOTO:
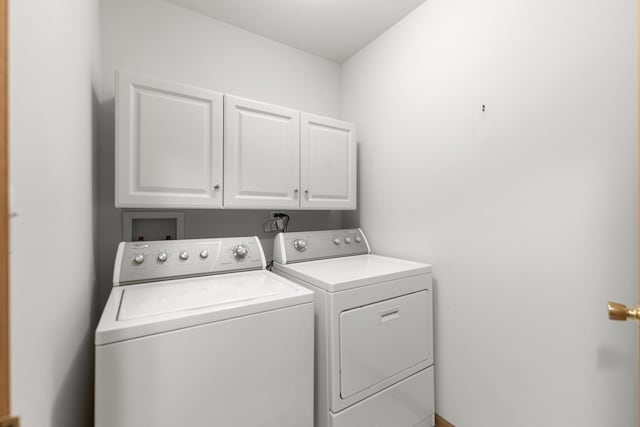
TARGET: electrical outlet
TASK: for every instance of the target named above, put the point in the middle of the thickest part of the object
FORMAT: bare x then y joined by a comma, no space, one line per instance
10,422
269,226
276,225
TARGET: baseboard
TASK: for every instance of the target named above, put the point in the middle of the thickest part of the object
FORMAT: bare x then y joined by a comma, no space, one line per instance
441,422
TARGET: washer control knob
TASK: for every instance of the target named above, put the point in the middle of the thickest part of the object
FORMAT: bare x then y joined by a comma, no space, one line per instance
162,257
204,254
184,255
336,241
300,244
358,239
347,240
240,251
138,258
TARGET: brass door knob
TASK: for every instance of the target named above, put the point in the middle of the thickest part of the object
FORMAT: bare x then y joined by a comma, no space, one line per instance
619,311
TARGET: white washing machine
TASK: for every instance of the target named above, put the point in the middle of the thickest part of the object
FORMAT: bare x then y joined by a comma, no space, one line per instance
197,333
374,334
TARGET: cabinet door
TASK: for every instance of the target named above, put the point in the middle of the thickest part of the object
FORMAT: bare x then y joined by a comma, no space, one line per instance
261,155
328,163
168,144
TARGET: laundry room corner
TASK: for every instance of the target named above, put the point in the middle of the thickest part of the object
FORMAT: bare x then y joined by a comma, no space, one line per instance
148,37
326,213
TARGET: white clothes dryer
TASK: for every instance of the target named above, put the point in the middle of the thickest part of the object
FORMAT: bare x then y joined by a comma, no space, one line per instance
197,333
374,333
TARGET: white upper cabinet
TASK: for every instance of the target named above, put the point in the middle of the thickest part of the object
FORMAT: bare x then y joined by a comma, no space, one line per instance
172,141
169,142
328,163
261,155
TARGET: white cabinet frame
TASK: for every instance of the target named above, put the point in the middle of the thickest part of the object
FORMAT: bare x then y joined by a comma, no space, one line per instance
261,155
169,140
327,163
172,141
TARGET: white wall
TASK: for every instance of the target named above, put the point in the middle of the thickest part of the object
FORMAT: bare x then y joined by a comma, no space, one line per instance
53,78
527,211
163,40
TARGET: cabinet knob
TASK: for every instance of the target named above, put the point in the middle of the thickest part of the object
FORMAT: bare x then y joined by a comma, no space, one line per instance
295,190
216,187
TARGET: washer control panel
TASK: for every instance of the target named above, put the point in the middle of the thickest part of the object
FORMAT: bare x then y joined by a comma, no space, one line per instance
140,262
309,245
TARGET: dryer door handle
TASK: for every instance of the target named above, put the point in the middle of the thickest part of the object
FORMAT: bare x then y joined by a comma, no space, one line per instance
389,314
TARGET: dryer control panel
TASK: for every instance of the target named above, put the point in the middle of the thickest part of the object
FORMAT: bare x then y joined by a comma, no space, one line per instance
141,262
309,245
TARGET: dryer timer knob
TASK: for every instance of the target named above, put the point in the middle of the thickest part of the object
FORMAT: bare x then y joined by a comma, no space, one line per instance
240,251
300,244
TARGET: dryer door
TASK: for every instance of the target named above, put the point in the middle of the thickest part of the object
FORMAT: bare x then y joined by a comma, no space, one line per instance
381,340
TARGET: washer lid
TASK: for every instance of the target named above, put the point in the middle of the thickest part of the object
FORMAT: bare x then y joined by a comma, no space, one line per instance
139,310
180,295
338,274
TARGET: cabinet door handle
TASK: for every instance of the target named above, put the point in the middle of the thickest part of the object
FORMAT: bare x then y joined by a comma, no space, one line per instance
216,187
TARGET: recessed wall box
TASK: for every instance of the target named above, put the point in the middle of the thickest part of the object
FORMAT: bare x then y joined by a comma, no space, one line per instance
152,226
